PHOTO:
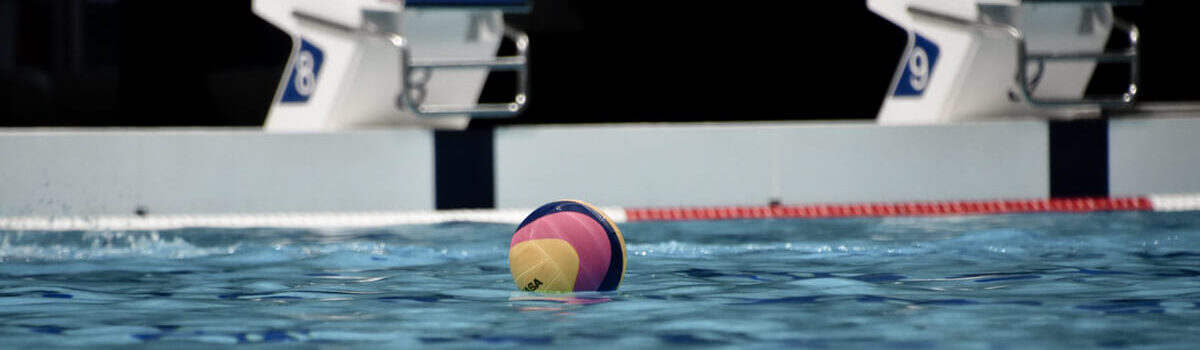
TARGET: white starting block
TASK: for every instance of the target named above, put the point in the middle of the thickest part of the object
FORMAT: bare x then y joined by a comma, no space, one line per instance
376,63
988,59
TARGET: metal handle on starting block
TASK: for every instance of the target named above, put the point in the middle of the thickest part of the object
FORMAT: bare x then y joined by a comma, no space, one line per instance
411,95
1129,55
411,91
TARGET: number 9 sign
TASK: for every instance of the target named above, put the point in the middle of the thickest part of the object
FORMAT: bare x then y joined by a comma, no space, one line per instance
918,67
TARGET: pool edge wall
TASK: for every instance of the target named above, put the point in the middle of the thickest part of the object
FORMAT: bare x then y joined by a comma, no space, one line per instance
757,163
86,172
81,172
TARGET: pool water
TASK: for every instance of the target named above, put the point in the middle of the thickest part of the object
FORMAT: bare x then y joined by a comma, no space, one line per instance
1098,280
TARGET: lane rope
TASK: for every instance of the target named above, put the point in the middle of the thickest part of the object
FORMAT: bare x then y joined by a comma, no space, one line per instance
1168,202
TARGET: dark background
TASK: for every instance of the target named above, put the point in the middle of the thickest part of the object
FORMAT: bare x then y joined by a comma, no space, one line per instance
175,63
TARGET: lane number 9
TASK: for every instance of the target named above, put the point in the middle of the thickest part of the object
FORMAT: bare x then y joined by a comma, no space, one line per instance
918,68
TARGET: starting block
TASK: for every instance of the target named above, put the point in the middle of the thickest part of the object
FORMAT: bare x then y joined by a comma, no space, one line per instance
1002,59
377,63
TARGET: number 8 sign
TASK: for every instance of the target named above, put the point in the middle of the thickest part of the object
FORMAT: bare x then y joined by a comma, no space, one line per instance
302,80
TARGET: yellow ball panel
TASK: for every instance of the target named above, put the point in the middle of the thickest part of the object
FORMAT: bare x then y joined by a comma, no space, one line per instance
544,265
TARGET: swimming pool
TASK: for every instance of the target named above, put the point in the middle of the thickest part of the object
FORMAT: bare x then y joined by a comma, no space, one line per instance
1020,281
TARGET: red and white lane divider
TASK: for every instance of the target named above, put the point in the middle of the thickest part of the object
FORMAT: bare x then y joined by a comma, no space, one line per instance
894,209
1178,202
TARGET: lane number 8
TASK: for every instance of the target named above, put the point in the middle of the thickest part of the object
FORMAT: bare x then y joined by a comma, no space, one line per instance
306,79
